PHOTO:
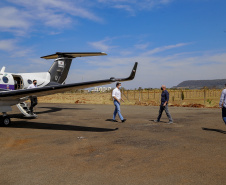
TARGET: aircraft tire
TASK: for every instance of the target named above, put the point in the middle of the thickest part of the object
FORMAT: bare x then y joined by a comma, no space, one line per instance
5,121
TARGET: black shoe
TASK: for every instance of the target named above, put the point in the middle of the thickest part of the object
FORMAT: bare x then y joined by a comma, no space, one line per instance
114,120
123,120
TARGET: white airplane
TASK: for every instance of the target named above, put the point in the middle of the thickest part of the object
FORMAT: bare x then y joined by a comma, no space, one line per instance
13,86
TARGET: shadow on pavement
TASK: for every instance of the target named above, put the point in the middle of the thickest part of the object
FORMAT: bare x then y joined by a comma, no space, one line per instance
51,109
109,120
56,109
215,130
153,120
51,126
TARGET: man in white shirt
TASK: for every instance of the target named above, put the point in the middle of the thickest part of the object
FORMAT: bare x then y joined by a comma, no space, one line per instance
116,95
33,99
222,104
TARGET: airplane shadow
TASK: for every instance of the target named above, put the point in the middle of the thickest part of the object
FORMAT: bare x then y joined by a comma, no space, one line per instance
51,126
214,130
56,109
51,110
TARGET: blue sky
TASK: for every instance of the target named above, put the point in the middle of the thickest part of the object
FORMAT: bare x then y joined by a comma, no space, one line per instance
173,40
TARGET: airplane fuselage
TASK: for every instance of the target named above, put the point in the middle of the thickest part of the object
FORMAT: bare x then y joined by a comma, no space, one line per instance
16,81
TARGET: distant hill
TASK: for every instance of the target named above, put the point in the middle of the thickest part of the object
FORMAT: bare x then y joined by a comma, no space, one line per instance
198,84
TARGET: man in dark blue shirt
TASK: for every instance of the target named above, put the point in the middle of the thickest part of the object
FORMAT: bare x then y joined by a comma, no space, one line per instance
164,105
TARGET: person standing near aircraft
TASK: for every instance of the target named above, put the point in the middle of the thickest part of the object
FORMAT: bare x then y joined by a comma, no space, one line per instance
164,105
34,100
222,104
116,94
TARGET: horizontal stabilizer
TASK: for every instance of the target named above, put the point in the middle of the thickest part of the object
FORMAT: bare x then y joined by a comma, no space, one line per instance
73,55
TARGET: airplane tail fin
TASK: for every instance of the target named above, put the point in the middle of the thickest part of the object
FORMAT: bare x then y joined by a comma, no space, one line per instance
61,66
59,70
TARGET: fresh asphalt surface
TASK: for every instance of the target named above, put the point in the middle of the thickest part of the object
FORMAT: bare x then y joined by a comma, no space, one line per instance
74,144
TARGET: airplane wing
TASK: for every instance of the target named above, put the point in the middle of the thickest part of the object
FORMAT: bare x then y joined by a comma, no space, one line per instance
73,55
43,91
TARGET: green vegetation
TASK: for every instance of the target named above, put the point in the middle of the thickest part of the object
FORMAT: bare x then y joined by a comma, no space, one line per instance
209,101
182,95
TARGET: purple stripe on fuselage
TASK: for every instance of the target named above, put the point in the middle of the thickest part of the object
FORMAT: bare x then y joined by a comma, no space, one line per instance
5,86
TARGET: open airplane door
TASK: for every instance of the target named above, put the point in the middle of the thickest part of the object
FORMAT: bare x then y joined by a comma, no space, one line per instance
18,82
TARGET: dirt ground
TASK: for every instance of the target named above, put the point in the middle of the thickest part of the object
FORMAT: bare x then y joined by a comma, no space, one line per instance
74,144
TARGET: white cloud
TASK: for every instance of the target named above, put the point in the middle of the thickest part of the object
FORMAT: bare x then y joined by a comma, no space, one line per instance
21,52
11,46
154,70
135,5
126,8
126,52
11,19
7,45
103,45
58,7
164,48
142,46
24,15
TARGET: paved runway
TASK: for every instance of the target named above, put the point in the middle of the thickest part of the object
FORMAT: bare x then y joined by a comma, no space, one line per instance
74,144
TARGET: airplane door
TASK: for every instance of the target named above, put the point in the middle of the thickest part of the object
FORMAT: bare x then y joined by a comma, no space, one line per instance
18,82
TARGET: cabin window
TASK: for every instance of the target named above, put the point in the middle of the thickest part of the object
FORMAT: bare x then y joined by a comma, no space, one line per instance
29,81
5,79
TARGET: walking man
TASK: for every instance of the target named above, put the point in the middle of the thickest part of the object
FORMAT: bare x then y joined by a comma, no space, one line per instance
164,105
222,104
116,95
34,100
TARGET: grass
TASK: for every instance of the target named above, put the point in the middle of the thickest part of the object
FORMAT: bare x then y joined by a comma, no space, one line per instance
190,98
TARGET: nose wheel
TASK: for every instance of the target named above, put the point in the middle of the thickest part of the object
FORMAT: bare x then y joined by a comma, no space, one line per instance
5,121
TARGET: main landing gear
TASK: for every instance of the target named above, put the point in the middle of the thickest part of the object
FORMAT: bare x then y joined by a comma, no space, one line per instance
5,120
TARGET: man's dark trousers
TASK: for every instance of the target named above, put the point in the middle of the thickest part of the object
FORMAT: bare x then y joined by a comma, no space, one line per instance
34,101
161,109
224,114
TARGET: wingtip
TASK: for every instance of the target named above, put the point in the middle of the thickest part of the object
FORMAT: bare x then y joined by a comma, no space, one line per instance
135,66
103,53
133,73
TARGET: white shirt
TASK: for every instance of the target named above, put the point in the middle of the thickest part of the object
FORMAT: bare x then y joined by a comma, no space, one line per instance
223,99
116,93
32,86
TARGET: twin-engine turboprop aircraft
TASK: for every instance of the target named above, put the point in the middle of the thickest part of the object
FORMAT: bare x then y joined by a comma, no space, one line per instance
13,86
